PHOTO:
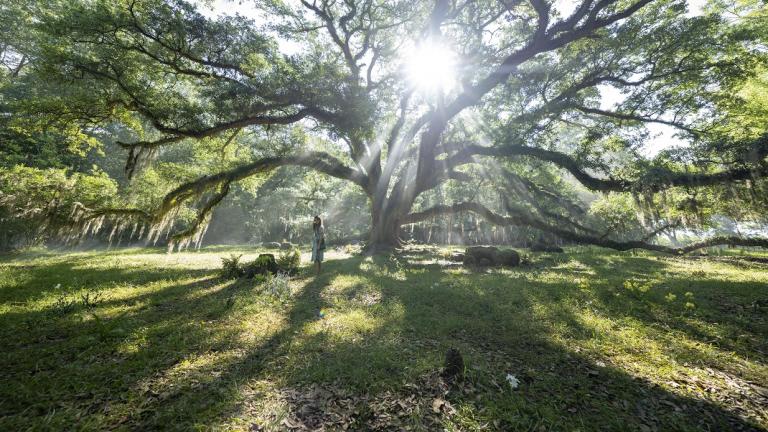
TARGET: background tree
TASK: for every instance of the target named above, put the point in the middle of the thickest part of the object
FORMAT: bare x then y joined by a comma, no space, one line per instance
507,105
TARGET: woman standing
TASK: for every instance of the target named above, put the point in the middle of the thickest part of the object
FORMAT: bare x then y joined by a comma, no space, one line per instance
318,243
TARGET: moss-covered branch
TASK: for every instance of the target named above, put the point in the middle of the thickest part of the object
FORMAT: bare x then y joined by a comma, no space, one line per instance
161,219
656,181
520,219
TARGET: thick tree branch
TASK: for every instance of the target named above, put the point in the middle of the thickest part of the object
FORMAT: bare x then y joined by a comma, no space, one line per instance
136,25
635,117
325,15
318,161
541,42
656,181
200,223
667,226
180,134
159,219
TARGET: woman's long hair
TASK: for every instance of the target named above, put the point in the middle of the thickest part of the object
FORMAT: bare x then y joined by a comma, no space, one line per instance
316,223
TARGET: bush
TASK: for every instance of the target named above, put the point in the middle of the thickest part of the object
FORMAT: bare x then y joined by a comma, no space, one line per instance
289,261
230,267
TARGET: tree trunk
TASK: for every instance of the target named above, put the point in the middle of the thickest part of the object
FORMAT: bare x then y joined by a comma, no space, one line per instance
384,235
385,230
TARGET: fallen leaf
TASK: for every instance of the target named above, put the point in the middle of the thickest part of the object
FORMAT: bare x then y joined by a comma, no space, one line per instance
437,403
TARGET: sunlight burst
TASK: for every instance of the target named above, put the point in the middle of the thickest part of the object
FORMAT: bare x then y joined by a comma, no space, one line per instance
431,67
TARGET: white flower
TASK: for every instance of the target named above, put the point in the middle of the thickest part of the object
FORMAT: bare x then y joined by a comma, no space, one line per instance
58,285
513,381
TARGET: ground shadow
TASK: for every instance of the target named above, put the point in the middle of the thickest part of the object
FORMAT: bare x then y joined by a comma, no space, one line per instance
415,315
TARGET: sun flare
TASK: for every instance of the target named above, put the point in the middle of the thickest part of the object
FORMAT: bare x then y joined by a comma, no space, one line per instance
431,67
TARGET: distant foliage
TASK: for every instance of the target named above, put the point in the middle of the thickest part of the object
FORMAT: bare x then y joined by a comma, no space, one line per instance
35,204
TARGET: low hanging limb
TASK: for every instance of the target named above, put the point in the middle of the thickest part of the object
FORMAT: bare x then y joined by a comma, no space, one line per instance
196,230
527,220
533,194
159,218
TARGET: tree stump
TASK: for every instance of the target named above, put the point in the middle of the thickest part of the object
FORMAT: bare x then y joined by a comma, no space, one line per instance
263,264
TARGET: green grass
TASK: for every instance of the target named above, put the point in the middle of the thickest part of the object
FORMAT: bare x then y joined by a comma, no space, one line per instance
138,339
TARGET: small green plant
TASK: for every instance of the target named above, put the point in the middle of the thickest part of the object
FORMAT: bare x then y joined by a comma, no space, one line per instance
637,286
108,329
670,297
289,261
230,267
63,305
90,299
352,249
278,285
583,284
229,303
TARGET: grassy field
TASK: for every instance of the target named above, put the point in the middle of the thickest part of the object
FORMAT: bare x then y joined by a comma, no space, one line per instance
138,339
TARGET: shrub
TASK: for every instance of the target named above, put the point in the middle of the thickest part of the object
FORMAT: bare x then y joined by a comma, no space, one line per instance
230,267
289,261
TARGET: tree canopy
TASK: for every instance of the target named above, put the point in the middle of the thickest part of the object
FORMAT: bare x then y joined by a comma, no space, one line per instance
499,103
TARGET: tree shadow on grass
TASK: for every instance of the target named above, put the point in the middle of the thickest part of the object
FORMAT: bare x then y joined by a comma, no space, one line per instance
564,389
63,363
370,347
39,280
722,312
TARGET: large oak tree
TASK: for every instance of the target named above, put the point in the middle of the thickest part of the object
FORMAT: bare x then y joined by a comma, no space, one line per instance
525,96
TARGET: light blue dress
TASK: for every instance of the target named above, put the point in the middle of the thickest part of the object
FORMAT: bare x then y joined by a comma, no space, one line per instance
317,254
